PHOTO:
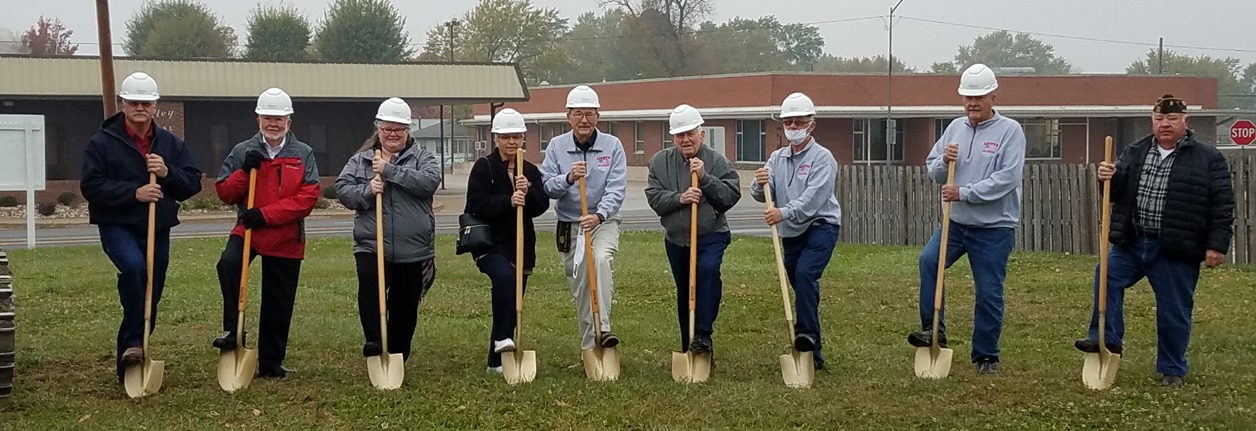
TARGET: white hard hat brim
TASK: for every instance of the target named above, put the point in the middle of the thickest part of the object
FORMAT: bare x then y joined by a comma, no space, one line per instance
510,130
797,114
977,92
683,129
141,98
583,105
397,120
273,112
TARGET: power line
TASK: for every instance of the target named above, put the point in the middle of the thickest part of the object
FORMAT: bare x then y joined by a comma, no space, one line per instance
1085,38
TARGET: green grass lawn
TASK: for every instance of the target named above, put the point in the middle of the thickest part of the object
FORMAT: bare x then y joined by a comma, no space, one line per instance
68,314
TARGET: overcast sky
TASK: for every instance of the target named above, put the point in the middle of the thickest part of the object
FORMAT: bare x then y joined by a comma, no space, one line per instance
1074,27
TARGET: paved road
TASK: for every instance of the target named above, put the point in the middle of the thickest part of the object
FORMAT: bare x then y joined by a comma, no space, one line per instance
746,219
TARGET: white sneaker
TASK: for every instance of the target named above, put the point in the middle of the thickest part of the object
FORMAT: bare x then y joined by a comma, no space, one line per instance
507,345
495,370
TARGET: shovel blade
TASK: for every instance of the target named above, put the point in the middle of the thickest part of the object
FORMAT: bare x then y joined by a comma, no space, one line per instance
144,379
236,368
386,371
1098,373
929,366
600,363
798,369
519,366
690,367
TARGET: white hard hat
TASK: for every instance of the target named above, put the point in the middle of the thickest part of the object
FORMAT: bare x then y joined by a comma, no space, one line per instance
684,118
977,80
509,121
582,97
394,110
797,105
274,102
139,87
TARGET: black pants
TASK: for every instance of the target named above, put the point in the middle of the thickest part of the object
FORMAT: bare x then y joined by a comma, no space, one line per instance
279,292
405,285
501,272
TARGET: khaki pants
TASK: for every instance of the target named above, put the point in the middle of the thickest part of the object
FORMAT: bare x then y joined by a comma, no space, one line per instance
605,244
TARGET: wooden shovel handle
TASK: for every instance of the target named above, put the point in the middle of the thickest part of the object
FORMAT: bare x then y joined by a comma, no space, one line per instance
939,285
148,257
518,257
379,267
1105,214
244,264
693,256
780,265
588,262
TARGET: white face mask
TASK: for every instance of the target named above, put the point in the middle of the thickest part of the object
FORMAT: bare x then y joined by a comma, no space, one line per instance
796,136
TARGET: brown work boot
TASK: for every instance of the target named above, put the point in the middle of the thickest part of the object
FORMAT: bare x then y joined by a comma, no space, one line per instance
132,356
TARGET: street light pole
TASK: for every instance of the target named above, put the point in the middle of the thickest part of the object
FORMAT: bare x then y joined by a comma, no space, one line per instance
891,135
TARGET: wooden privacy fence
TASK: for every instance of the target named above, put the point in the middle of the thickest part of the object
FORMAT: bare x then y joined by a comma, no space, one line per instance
899,205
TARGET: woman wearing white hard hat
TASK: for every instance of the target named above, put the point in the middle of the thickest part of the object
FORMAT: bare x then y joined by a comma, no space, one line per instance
805,212
391,169
498,185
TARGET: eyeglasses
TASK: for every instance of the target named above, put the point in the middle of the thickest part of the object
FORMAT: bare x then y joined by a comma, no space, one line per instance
583,114
799,122
392,131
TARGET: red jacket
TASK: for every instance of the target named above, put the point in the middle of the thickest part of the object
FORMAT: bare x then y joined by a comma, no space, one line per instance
286,191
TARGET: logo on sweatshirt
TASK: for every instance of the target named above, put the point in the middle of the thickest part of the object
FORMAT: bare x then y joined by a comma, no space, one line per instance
991,147
803,170
603,162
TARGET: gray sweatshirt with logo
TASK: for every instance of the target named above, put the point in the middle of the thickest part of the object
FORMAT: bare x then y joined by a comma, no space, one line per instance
802,187
988,171
605,182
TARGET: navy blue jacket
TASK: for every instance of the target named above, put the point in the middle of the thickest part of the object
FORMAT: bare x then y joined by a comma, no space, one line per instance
113,168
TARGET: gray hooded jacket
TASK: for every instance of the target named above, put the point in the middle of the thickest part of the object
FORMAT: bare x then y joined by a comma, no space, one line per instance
410,181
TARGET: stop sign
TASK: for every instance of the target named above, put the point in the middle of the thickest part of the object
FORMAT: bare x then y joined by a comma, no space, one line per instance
1243,132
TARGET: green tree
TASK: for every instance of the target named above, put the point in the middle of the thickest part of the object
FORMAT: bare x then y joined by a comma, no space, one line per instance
368,31
743,45
277,33
511,31
1233,80
945,67
595,49
178,29
1006,49
875,64
801,43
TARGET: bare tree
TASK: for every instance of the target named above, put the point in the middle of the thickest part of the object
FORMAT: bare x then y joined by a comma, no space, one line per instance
664,29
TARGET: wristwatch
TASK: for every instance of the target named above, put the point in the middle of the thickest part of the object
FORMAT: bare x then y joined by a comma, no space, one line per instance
600,219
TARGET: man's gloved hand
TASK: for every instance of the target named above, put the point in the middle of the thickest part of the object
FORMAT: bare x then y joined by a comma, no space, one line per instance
253,219
252,160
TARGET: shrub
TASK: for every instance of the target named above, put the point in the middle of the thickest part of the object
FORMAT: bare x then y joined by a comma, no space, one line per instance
67,198
322,204
46,209
329,192
202,203
8,201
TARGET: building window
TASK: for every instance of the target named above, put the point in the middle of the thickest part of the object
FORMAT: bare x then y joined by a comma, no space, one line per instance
219,143
870,143
610,128
638,138
667,137
1042,138
751,139
939,127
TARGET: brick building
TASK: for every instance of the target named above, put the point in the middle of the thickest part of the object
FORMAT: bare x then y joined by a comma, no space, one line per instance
1065,117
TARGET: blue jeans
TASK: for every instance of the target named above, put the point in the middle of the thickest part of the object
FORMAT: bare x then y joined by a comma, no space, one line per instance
1173,283
806,257
988,250
710,288
126,247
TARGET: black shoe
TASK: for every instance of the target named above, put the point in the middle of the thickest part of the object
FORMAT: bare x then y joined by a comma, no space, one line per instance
273,371
1092,346
132,356
987,368
702,345
819,365
609,340
804,343
925,339
227,341
372,348
1171,381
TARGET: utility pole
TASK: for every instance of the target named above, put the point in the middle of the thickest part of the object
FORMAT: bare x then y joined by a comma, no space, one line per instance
108,94
1160,69
890,128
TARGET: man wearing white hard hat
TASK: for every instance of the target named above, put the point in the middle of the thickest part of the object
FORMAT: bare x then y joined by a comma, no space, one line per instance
405,176
117,165
496,187
989,153
599,158
671,195
806,214
286,191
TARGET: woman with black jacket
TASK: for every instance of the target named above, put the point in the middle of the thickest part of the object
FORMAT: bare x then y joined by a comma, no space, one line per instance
495,188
